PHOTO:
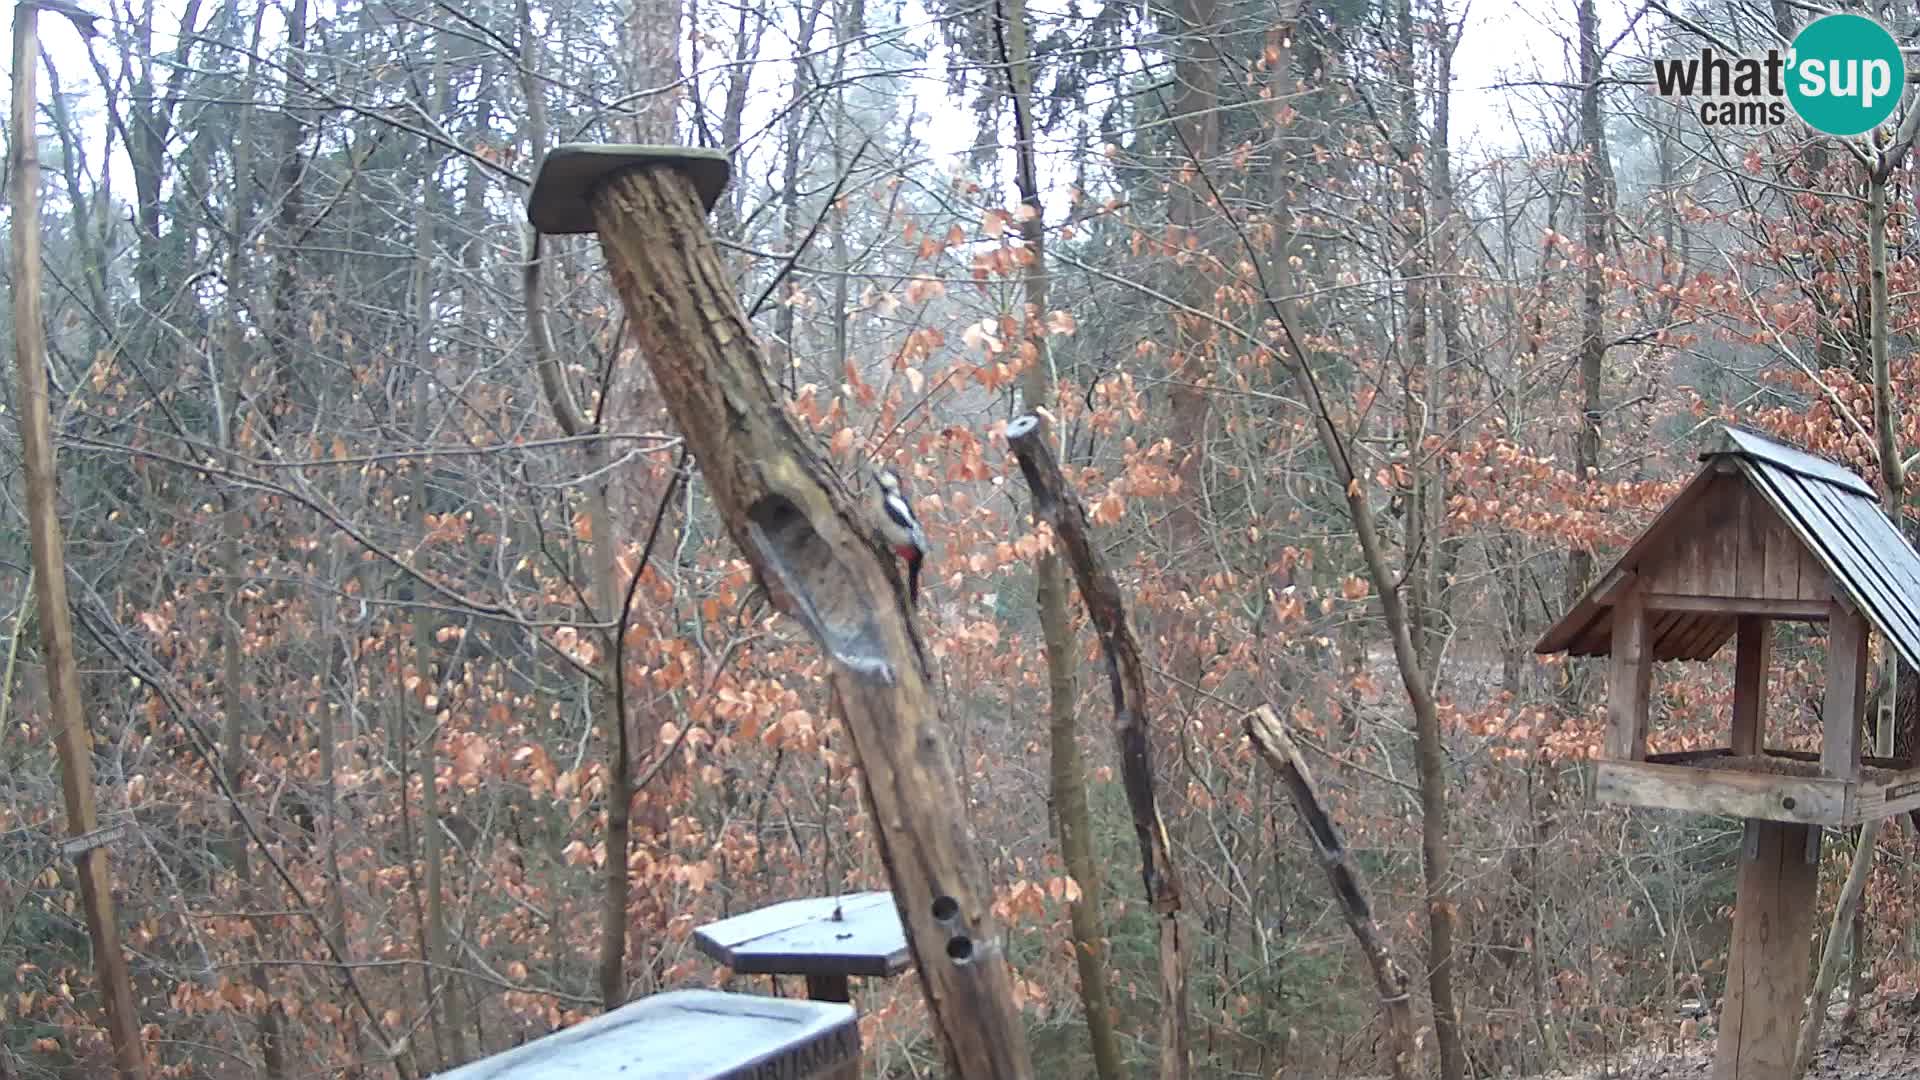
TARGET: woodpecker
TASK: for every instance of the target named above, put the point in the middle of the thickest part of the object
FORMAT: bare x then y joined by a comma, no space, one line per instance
901,529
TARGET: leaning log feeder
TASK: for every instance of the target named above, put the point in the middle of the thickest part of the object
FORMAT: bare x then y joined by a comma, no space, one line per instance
821,560
1763,533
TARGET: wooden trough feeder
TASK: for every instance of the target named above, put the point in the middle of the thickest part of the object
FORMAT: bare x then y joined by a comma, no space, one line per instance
1764,532
689,1035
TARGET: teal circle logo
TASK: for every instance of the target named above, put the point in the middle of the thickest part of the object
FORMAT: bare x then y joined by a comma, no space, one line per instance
1845,74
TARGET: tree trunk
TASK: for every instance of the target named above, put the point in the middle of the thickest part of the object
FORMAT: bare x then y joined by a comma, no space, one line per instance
1068,773
1056,503
289,193
827,570
1415,388
449,1035
1593,225
240,699
1429,752
68,717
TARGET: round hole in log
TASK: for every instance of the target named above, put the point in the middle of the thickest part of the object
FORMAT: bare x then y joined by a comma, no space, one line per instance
945,908
960,949
1788,803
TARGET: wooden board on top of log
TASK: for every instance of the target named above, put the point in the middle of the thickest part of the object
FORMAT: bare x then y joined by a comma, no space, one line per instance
827,939
821,562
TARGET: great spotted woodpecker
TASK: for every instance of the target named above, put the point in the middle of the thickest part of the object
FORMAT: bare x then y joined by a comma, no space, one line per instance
901,529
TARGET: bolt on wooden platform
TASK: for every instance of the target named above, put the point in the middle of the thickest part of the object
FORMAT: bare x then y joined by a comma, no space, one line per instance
1763,533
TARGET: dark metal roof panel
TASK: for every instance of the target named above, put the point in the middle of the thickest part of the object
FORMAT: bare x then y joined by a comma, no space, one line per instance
1760,448
1845,529
1832,511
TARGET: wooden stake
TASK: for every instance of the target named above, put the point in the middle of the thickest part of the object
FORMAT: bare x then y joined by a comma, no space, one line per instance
1270,738
1056,503
49,561
822,563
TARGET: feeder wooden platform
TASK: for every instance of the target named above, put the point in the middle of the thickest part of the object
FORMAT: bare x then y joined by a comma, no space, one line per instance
824,938
1777,785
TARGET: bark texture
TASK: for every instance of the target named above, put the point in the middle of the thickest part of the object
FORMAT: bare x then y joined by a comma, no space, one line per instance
825,566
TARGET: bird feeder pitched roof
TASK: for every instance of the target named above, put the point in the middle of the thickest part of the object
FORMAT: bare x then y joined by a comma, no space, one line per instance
1765,529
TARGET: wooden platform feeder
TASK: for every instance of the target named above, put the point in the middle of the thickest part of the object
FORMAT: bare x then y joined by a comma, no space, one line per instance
1764,532
826,939
689,1035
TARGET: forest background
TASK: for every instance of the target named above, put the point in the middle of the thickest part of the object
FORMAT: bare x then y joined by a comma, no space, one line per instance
390,580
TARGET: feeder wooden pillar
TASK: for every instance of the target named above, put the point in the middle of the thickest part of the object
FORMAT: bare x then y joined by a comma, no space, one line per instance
1629,680
1753,652
1763,533
1767,965
818,554
1843,713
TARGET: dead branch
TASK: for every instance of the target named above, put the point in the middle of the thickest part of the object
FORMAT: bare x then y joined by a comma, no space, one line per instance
1056,504
1269,736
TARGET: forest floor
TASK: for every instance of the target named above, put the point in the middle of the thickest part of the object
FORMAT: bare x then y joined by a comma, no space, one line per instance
1884,1045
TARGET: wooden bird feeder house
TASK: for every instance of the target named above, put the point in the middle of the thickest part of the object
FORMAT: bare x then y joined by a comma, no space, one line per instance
1763,533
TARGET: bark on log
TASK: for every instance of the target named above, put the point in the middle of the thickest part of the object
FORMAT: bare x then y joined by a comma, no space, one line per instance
1057,505
823,564
1269,736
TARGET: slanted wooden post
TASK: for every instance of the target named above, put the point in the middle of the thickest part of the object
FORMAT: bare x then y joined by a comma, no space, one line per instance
1269,736
820,559
1629,680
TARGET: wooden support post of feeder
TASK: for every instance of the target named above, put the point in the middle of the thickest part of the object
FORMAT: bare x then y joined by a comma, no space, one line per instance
1763,533
821,561
828,940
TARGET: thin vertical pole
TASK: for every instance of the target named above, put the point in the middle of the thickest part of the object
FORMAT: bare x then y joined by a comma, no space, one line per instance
49,562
